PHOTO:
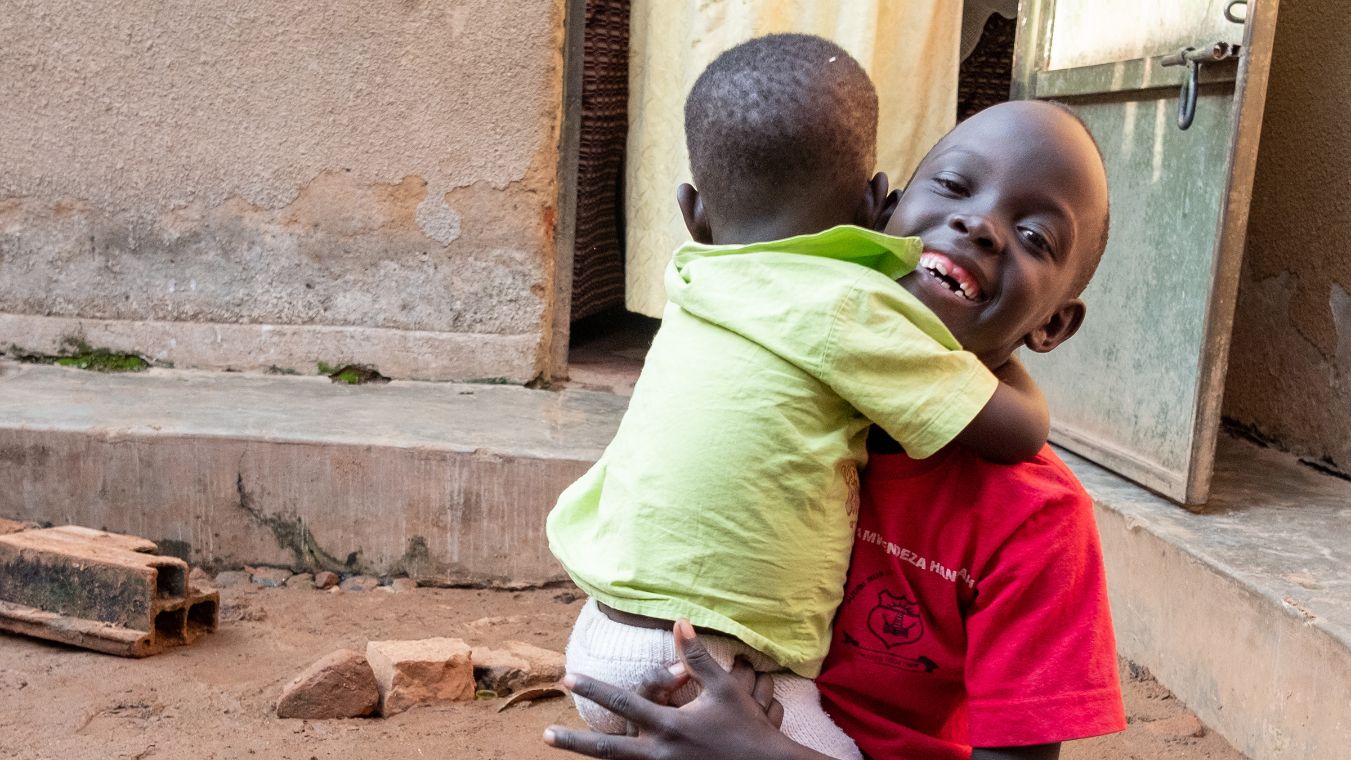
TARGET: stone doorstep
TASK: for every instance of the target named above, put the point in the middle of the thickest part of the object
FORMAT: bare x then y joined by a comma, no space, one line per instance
1242,610
446,483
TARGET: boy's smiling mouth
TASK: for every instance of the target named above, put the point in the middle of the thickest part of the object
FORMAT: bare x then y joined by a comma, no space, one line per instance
951,275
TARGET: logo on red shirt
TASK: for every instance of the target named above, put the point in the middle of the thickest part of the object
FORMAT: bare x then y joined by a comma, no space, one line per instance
895,620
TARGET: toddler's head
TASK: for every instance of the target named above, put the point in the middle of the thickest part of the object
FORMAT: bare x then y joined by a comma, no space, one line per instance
1012,207
782,137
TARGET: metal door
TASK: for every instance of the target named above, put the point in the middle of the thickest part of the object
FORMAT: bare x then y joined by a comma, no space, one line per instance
1139,388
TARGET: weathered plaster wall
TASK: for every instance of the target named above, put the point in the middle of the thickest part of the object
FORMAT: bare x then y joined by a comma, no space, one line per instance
253,184
1290,364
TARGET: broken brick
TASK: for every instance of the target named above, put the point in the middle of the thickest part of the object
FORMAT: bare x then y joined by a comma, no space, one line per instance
339,685
515,666
422,672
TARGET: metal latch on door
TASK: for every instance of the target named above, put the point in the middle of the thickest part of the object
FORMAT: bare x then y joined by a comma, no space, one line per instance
1194,57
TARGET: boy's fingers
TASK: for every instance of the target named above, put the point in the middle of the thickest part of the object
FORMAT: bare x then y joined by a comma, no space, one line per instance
701,665
662,681
622,702
775,714
659,687
593,744
742,675
764,690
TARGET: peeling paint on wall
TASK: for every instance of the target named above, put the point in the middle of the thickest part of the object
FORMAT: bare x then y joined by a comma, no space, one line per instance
437,220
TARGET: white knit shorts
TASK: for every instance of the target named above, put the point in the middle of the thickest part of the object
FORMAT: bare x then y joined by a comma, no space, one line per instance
621,655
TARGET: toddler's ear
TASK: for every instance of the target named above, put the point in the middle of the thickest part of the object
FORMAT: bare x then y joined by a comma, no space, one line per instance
1058,328
877,204
692,208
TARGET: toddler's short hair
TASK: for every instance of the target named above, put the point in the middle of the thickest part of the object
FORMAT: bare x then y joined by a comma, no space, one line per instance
780,114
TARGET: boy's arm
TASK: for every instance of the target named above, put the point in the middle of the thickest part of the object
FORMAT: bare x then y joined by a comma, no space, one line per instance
1014,424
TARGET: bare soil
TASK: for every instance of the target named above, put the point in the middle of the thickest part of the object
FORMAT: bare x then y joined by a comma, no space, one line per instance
215,699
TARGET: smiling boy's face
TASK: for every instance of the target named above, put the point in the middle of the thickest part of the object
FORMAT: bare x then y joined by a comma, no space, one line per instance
1011,206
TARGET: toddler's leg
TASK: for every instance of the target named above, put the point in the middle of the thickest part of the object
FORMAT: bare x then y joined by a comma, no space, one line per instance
805,721
617,654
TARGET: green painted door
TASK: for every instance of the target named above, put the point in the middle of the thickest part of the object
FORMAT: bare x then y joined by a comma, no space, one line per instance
1138,390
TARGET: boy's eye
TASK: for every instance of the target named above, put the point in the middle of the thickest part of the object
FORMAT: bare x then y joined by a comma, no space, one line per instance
1035,239
950,184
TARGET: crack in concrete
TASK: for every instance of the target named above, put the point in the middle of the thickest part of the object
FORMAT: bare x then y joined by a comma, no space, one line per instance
293,535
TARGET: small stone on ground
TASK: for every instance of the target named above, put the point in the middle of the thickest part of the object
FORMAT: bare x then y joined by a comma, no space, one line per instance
270,577
300,580
400,585
361,583
231,578
325,580
199,579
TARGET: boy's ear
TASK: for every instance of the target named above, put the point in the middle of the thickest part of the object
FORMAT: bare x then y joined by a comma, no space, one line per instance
877,204
1058,328
692,208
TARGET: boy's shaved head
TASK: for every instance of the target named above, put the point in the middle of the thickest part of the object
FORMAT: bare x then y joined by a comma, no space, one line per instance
1090,265
1012,206
779,116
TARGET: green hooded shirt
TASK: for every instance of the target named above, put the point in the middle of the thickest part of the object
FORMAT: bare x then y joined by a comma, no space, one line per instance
730,491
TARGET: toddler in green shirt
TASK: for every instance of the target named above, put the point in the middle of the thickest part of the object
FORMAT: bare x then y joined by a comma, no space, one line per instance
728,495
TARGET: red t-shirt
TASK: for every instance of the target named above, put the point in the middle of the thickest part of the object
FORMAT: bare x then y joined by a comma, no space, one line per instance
975,611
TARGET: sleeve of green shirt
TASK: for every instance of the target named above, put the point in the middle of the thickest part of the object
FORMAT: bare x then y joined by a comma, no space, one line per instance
854,329
899,376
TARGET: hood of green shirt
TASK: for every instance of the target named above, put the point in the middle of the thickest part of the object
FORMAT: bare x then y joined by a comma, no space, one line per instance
893,256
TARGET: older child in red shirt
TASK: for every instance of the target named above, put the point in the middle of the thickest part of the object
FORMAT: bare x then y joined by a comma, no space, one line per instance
975,619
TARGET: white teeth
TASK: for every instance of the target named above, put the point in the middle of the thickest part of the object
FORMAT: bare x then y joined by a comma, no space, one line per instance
941,267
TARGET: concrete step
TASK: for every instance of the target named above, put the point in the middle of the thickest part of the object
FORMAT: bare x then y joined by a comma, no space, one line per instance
1243,610
448,483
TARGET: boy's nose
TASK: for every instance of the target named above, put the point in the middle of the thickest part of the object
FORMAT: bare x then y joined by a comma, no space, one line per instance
979,230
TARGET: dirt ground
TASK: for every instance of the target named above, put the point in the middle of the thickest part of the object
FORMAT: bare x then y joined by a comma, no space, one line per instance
215,700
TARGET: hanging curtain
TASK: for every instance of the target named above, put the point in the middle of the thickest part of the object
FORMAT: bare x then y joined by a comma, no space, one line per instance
598,256
909,48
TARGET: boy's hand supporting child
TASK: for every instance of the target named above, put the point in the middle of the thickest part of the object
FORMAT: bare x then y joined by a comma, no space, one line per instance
735,715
